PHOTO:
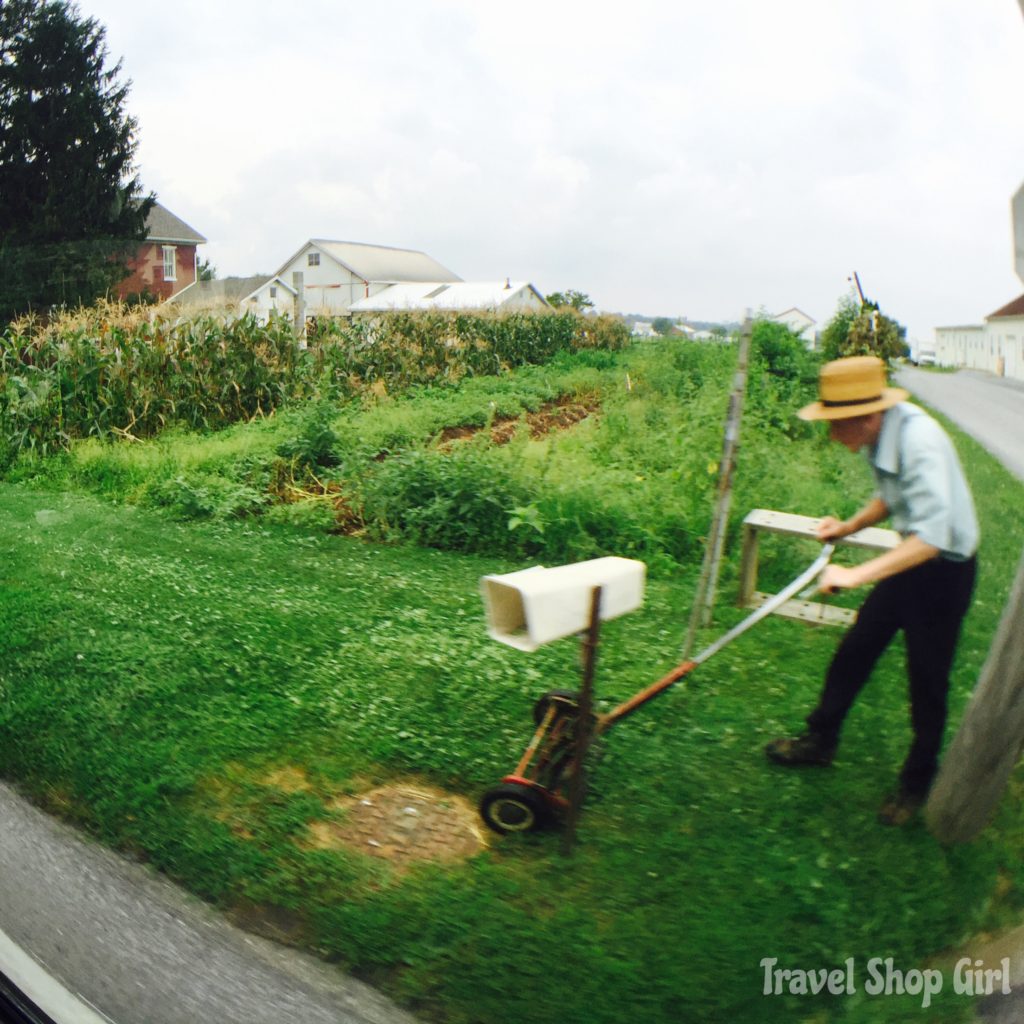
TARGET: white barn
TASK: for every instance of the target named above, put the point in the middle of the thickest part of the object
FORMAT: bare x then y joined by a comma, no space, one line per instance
337,274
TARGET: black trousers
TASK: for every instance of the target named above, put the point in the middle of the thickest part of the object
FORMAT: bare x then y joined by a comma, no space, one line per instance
928,603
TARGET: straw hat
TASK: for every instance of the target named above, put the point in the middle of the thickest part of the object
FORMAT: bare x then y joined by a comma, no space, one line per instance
855,386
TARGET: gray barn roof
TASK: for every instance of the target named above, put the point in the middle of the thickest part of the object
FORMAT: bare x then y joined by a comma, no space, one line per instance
228,291
383,263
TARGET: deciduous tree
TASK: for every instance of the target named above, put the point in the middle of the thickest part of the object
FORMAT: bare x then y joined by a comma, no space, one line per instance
863,330
572,298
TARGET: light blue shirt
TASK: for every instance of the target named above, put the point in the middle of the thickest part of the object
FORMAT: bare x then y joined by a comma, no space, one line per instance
921,481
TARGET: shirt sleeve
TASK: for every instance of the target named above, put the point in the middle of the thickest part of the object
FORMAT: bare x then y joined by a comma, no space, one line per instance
926,484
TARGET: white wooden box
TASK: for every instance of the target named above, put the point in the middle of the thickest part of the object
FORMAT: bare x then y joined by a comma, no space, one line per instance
534,606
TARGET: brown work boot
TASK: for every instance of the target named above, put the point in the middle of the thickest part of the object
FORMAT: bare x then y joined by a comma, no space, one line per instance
900,807
808,748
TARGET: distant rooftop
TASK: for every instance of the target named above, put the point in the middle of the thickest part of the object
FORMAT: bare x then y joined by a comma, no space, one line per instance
447,296
228,291
163,226
383,263
1015,308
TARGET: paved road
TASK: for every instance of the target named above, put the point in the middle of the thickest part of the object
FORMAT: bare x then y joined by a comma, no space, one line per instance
133,946
989,408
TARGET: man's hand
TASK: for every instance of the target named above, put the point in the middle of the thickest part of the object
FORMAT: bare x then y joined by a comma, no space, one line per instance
838,577
910,552
831,528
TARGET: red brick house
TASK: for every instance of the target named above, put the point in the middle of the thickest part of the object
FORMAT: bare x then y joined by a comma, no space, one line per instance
166,260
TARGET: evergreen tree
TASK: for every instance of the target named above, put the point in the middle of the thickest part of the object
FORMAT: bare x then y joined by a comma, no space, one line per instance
71,207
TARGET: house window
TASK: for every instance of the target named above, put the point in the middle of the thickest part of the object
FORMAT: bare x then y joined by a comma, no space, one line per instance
273,291
170,263
313,259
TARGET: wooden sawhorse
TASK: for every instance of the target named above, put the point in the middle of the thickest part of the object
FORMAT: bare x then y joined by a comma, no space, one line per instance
762,520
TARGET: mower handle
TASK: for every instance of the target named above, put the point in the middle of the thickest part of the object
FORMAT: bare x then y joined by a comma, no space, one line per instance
673,677
779,599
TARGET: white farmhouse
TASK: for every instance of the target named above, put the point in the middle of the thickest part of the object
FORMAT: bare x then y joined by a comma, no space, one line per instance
643,329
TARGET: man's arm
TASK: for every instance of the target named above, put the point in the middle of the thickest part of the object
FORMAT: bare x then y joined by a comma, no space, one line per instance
873,512
910,552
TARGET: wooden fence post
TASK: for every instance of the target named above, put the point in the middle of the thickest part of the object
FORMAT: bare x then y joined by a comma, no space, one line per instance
704,599
988,744
298,283
584,725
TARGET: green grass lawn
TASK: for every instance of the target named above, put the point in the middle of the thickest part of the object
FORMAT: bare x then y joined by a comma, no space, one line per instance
145,659
159,678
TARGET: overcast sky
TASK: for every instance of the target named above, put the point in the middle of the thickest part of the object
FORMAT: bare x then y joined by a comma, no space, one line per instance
667,158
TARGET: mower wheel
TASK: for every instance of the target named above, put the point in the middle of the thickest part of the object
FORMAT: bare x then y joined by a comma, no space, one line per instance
567,703
513,807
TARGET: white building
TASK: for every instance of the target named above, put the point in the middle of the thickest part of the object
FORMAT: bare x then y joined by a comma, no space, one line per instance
800,324
342,278
997,346
519,296
643,329
1005,328
337,274
273,295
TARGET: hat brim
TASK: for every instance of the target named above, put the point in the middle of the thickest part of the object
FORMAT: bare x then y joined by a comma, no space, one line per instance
820,411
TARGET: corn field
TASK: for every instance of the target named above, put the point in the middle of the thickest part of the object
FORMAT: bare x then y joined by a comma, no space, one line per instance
118,373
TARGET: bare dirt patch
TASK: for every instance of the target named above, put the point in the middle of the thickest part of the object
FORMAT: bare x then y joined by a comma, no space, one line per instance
560,414
287,778
402,824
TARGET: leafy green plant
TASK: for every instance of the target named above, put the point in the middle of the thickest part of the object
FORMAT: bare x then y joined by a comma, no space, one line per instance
205,499
316,445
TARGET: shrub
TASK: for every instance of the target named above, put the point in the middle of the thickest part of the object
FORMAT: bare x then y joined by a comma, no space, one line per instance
206,498
782,376
459,502
316,444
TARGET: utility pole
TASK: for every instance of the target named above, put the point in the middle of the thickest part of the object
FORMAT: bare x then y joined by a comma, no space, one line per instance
989,742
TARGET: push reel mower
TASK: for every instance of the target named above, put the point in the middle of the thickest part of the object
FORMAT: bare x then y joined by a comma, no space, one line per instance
539,792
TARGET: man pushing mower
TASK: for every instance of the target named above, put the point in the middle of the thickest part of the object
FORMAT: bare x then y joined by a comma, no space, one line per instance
924,583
